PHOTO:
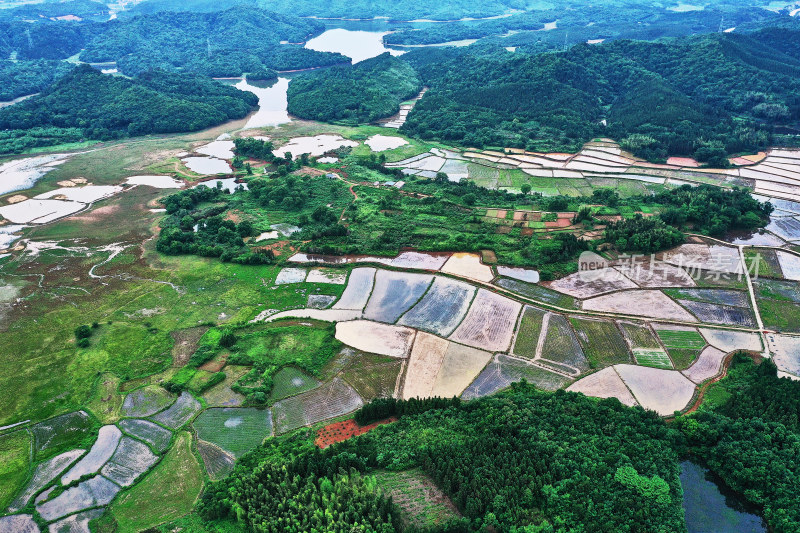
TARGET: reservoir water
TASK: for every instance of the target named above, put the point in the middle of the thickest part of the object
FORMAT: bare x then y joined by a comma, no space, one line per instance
710,508
356,44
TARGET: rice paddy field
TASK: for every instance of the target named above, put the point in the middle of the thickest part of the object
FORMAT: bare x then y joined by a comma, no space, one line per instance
442,308
373,376
561,346
490,322
333,399
602,342
529,330
289,381
683,344
236,430
503,370
538,292
604,384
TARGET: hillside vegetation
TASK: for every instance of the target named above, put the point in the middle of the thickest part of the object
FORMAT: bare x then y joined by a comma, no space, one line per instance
86,104
703,96
364,92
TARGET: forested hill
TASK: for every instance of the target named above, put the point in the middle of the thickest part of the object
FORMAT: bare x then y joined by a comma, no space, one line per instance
226,43
86,104
222,43
704,96
364,92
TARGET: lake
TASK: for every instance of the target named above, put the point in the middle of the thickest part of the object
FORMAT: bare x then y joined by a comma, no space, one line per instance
272,102
356,44
710,508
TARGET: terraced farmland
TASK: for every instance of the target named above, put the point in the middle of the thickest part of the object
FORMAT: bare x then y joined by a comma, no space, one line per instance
442,308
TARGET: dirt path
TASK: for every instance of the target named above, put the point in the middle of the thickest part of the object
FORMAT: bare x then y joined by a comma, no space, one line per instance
726,363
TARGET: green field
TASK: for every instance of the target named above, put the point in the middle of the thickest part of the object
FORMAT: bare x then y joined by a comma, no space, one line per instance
530,328
236,430
683,346
602,342
15,453
166,493
289,381
373,376
655,358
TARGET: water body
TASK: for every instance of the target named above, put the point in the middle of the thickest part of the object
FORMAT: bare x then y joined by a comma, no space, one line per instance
711,509
356,44
21,174
272,103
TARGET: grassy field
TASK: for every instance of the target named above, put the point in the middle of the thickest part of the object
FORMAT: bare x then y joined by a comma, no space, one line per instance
373,376
780,315
530,328
15,452
166,493
422,503
683,346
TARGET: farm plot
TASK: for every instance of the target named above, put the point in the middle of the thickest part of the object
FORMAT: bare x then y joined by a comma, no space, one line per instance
131,459
345,430
663,391
394,294
422,503
234,429
652,357
157,437
707,365
327,275
638,335
61,430
714,296
319,301
790,265
490,322
289,381
504,370
578,285
373,376
442,308
374,337
647,303
93,492
786,353
522,274
184,408
290,275
423,365
604,384
333,399
468,266
530,329
221,395
103,448
787,228
601,341
419,260
720,314
166,493
683,343
656,274
537,292
728,341
716,258
460,366
217,461
146,401
562,347
326,315
43,474
358,289
15,459
777,290
77,523
19,523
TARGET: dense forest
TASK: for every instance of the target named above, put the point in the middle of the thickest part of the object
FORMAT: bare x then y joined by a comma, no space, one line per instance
704,96
521,461
70,10
102,107
226,43
364,92
21,78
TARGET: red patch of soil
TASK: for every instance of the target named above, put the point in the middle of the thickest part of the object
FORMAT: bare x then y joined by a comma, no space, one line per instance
347,429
